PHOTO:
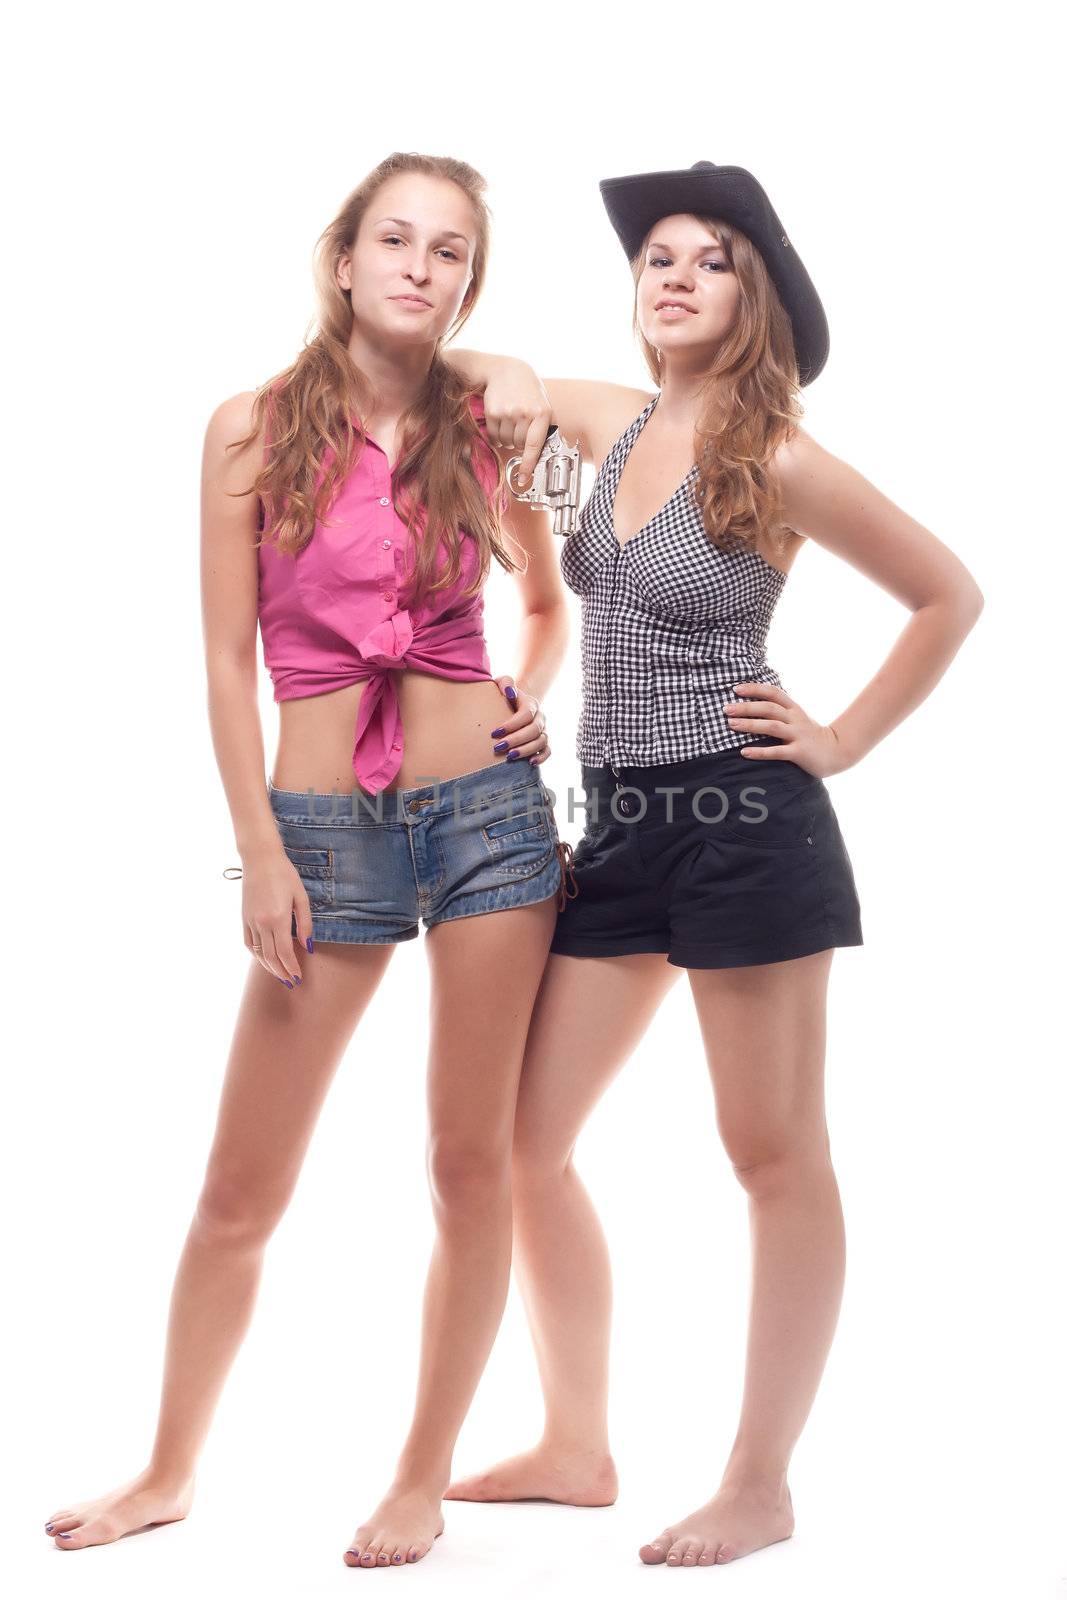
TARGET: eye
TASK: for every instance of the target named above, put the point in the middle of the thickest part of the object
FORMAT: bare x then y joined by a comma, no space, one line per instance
665,261
390,237
445,251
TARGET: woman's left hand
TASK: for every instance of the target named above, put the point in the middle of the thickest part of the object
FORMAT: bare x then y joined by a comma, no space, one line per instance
517,414
523,733
809,744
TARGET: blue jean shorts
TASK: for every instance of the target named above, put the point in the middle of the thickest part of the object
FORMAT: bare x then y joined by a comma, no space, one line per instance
373,865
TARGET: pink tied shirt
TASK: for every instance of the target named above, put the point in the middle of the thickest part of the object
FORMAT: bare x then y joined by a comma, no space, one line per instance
329,616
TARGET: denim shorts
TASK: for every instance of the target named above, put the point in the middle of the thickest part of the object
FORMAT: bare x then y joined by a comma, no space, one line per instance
743,864
373,865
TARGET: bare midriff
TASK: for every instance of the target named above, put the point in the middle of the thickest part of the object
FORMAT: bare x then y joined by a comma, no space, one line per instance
447,731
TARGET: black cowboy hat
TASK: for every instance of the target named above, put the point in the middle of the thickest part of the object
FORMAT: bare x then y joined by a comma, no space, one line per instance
636,202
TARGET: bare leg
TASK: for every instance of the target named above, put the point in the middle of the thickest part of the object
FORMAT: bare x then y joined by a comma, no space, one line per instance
285,1051
590,1014
764,1030
485,975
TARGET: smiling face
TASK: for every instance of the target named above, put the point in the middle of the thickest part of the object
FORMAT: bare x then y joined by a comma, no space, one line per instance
411,264
687,293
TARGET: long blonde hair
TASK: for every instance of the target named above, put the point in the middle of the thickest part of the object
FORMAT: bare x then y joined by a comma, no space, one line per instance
446,480
757,393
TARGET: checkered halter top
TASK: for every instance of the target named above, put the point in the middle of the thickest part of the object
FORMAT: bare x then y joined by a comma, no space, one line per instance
669,624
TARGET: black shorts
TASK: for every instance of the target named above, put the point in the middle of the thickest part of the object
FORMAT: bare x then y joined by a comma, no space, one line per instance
746,864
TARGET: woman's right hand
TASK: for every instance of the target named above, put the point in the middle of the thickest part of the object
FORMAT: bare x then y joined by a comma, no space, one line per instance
273,894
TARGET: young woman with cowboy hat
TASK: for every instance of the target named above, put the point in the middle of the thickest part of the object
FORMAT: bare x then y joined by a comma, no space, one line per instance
711,844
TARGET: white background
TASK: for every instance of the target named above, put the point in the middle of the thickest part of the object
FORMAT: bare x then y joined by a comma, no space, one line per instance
170,172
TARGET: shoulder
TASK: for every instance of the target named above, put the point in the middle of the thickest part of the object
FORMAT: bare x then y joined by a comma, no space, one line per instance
594,414
799,461
232,418
228,425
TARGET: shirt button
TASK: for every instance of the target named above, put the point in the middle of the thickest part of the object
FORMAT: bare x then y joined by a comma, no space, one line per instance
386,544
388,595
396,747
383,501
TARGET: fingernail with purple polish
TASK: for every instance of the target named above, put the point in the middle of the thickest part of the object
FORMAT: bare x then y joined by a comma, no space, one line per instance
496,733
497,748
309,941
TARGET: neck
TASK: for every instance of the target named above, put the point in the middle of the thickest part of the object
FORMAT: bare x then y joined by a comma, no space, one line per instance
684,396
395,374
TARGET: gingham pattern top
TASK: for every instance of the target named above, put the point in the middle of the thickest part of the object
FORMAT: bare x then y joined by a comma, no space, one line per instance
669,624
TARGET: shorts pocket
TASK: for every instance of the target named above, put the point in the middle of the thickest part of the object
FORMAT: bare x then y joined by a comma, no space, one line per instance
776,816
315,867
521,843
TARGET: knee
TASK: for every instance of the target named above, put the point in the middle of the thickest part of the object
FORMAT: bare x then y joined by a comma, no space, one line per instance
467,1179
768,1164
536,1165
234,1212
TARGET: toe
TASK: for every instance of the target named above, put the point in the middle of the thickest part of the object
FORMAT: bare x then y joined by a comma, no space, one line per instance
414,1553
692,1553
726,1552
707,1556
656,1551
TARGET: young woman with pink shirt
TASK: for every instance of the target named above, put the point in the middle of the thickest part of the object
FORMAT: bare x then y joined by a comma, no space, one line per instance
353,508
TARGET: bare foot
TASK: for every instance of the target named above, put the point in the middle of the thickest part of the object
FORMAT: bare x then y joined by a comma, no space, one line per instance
402,1529
734,1522
571,1477
141,1503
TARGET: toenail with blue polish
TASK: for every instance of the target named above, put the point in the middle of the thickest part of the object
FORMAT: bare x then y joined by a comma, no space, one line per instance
398,1557
64,1535
353,1552
48,1527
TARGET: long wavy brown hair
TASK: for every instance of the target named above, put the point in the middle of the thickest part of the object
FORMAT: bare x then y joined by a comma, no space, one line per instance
447,479
756,404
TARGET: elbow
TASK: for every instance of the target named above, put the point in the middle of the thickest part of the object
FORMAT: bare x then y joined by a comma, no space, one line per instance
971,603
230,669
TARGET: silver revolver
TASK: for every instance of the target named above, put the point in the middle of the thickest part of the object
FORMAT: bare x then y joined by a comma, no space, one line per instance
557,481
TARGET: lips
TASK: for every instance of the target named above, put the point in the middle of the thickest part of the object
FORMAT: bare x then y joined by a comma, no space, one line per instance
410,300
672,305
